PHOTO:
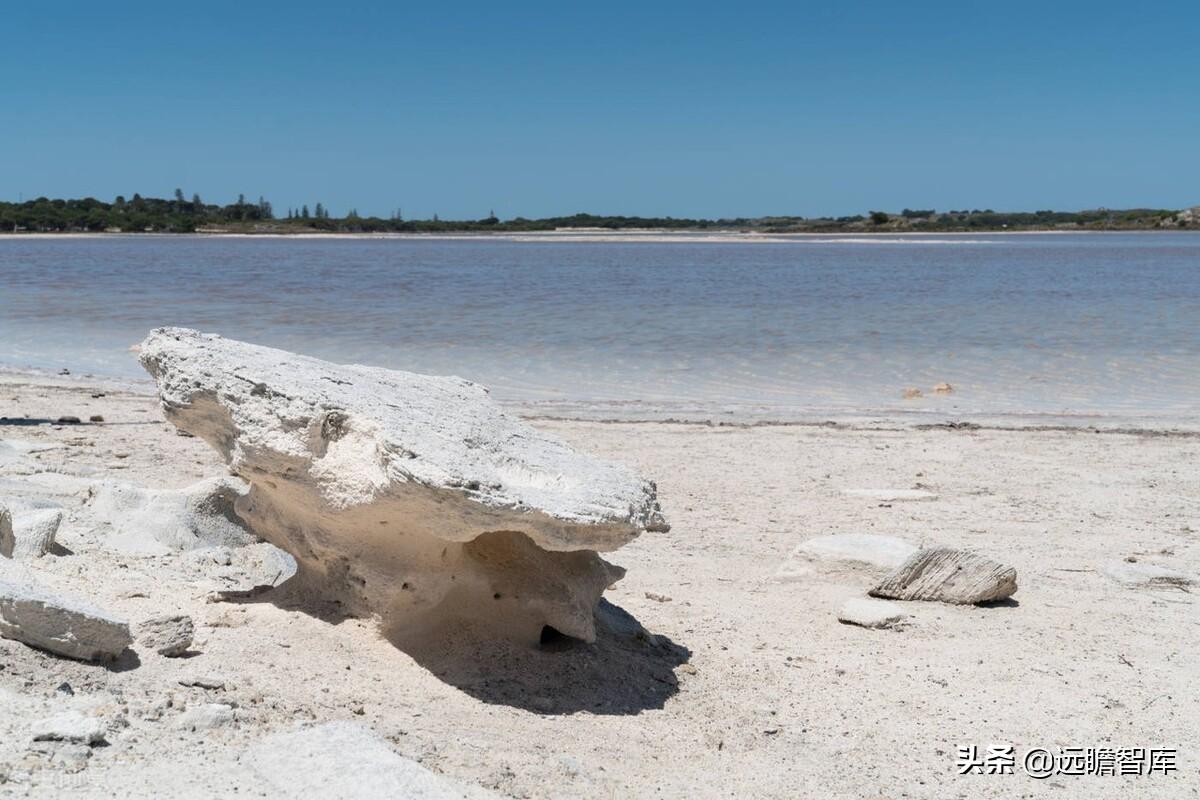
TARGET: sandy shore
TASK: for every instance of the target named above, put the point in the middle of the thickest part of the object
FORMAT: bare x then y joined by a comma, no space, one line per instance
750,686
643,235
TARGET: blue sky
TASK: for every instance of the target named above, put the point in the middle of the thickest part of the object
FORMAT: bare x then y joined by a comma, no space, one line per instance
683,109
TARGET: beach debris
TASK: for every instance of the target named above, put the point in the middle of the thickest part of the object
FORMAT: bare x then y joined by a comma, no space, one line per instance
59,624
169,635
408,496
950,576
892,495
868,551
69,726
1140,574
869,613
30,534
347,760
211,682
205,717
943,388
912,393
160,521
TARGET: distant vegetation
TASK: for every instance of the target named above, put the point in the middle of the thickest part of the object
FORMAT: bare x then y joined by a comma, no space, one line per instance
183,215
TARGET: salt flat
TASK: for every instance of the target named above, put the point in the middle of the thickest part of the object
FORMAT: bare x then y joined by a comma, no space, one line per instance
747,684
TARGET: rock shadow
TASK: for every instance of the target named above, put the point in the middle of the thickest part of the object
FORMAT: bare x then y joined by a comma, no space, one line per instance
128,660
627,670
292,594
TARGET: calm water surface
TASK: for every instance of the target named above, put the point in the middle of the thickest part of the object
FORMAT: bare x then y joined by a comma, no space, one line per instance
1045,324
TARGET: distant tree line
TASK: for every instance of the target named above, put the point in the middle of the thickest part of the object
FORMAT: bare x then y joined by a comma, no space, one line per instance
135,214
182,215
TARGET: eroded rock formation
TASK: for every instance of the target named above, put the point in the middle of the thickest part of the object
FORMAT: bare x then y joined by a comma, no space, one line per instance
950,576
408,496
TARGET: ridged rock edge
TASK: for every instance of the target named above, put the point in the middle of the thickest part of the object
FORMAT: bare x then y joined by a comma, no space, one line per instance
949,576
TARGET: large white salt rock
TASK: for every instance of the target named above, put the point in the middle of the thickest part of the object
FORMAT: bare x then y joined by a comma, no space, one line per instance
408,496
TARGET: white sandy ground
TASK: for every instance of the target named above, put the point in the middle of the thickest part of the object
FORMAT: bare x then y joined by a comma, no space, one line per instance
754,689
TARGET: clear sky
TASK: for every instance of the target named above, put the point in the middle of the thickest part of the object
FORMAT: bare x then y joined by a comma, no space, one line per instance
652,108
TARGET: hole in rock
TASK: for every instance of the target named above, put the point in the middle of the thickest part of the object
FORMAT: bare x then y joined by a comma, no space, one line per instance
554,639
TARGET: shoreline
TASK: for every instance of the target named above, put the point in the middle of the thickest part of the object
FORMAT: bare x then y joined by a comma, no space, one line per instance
600,235
721,416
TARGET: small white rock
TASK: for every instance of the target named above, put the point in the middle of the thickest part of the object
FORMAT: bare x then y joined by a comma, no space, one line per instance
871,613
169,635
206,717
69,726
1135,573
31,534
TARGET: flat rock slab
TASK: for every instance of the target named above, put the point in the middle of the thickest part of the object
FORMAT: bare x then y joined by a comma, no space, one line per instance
868,613
69,726
865,548
60,625
413,497
891,495
344,760
851,550
950,576
1137,573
